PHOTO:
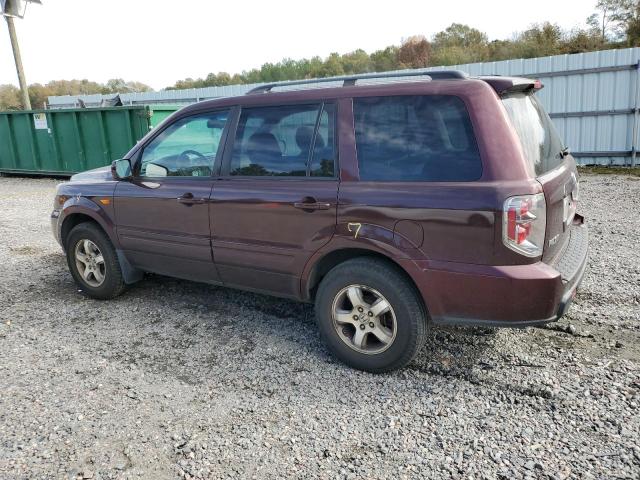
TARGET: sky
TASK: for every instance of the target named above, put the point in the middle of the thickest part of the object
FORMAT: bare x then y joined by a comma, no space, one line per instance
158,42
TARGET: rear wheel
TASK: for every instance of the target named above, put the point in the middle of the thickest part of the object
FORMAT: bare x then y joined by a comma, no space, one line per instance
93,262
370,315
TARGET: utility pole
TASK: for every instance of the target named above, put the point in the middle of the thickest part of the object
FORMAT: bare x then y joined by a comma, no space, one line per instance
10,9
24,90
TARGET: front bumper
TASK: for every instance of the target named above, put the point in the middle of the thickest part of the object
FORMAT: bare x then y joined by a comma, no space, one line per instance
504,296
55,225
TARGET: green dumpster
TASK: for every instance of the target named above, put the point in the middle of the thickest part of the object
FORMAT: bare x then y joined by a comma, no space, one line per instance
160,112
66,141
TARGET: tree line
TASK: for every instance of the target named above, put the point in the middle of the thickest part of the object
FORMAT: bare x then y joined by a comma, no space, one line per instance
614,24
38,93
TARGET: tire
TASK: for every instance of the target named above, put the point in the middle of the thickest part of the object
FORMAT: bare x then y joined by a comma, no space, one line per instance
374,278
106,281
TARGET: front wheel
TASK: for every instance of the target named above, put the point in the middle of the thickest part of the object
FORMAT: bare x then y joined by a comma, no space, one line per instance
370,315
93,262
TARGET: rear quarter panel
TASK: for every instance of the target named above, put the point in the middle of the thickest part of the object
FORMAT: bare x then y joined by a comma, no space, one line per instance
441,221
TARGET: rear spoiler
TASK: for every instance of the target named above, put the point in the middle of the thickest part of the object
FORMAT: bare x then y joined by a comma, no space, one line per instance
506,85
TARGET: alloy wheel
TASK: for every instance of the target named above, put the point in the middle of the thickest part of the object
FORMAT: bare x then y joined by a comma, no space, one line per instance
90,262
364,319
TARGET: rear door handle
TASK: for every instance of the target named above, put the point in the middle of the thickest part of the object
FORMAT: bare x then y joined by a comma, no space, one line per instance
188,199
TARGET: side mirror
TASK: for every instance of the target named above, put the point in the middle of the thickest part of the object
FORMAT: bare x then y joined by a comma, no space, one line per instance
121,169
155,170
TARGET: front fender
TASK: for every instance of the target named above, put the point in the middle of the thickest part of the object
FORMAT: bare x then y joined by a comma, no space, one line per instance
103,215
87,206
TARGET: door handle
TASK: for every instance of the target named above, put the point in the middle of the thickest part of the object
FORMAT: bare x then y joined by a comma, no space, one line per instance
310,204
188,199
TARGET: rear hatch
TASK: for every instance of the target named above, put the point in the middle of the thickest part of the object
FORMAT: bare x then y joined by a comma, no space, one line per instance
551,164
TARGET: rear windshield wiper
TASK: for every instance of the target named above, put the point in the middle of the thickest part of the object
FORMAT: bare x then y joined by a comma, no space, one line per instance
564,152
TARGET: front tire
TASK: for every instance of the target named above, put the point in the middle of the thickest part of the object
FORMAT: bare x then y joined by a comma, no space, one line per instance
93,262
370,315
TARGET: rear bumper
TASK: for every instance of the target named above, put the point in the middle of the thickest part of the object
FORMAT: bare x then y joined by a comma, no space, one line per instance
572,264
503,296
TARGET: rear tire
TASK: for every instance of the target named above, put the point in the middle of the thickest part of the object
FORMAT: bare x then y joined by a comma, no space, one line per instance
356,323
93,262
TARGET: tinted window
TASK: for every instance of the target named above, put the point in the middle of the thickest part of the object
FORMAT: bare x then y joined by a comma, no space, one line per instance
186,148
323,160
274,140
415,138
540,141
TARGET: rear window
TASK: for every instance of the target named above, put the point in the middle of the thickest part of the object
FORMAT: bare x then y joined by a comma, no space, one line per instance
540,140
415,138
288,140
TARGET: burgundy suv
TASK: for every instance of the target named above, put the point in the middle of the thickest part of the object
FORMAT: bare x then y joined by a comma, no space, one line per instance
448,199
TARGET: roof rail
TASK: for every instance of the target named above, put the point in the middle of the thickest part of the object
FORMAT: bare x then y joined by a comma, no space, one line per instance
350,80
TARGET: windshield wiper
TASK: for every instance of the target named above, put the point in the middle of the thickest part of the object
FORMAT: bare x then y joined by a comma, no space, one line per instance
564,152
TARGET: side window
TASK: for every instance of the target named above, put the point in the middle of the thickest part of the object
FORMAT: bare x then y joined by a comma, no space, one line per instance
323,159
187,148
415,138
274,141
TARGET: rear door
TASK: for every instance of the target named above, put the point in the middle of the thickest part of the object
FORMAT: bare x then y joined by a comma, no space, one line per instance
550,163
162,213
275,204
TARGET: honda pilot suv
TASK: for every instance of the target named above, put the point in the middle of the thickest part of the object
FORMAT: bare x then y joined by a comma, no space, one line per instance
391,205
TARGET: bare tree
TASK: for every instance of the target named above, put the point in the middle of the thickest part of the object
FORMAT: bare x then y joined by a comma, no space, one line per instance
612,17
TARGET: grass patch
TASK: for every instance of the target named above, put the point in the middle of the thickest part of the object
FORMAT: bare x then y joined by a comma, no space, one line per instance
605,170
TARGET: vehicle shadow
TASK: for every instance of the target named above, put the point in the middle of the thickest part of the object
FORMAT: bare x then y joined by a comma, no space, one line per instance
177,320
447,350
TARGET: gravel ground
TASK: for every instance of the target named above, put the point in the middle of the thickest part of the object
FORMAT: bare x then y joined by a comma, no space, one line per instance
182,380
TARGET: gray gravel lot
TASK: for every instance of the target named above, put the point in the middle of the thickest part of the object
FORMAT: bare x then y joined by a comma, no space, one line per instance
182,380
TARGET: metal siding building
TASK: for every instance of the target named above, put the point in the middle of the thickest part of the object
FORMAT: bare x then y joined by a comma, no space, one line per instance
592,97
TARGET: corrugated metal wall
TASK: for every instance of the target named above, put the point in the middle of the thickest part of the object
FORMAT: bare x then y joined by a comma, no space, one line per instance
592,97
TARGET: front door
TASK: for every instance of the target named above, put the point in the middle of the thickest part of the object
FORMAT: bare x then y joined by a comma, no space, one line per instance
275,204
162,214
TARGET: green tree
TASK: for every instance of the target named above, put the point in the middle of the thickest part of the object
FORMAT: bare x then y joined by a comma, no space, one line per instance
580,40
459,44
539,40
632,27
332,66
385,60
358,61
503,49
38,95
10,97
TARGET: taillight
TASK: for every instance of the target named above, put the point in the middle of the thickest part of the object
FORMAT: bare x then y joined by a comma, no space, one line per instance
523,224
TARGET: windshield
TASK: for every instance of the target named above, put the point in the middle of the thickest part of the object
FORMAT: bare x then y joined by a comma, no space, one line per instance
540,140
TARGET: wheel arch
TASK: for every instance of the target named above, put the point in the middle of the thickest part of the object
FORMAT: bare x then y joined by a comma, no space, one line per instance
324,263
80,209
130,273
76,218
